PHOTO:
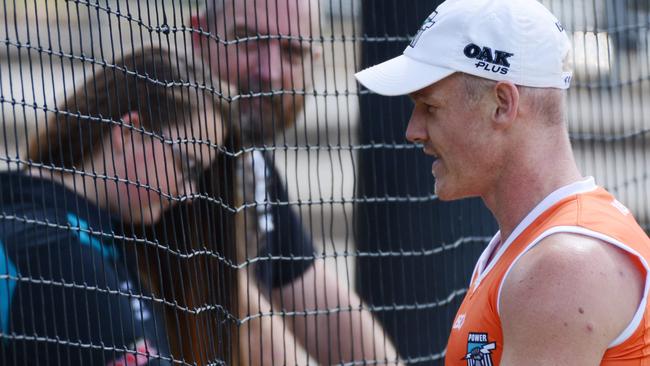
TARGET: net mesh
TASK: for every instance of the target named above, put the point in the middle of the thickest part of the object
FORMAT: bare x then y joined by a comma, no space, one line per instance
204,182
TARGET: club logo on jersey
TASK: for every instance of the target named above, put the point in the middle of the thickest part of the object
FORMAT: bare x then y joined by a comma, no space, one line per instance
428,23
495,61
479,350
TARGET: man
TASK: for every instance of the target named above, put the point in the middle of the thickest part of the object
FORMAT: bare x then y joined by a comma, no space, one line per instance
423,227
564,281
264,48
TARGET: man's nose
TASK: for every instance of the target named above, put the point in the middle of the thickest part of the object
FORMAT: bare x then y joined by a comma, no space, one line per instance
270,66
415,131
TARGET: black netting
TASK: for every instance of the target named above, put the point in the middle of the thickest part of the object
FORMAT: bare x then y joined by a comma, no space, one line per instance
204,182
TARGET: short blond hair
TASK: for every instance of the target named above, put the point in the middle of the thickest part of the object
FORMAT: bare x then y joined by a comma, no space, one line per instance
548,104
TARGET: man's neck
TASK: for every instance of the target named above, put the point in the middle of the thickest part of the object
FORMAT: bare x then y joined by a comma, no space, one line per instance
526,182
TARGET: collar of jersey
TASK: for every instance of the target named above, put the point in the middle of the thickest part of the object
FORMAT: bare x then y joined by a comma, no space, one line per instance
582,186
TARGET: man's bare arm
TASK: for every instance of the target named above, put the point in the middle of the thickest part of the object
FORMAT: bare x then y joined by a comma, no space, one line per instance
340,332
566,300
265,339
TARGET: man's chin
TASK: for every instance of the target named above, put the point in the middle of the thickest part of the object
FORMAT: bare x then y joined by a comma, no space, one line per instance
447,195
444,193
257,137
257,129
445,198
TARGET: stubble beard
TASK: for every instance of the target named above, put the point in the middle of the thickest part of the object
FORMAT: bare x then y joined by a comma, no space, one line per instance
264,118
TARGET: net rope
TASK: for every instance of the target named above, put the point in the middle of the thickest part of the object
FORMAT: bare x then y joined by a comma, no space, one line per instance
176,174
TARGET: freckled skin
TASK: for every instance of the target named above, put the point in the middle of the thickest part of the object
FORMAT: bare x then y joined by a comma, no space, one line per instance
557,278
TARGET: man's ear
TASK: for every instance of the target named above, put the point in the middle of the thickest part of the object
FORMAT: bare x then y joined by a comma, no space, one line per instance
506,97
121,133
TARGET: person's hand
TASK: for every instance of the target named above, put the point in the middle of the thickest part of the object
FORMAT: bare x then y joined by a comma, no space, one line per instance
261,330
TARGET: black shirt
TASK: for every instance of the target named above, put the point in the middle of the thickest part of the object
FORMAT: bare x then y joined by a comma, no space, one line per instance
286,250
69,293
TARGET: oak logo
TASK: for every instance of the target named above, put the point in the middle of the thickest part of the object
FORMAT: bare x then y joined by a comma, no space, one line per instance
494,61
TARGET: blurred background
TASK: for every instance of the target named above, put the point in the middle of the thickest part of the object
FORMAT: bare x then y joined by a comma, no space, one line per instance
363,193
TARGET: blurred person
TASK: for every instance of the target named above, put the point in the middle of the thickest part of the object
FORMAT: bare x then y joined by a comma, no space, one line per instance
565,279
122,149
264,49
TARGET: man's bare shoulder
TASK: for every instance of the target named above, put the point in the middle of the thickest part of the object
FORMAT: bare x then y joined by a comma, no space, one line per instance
571,291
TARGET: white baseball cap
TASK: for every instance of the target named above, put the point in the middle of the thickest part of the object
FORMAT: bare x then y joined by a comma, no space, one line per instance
515,40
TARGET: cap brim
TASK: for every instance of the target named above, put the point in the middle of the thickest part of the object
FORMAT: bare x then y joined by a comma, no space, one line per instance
401,75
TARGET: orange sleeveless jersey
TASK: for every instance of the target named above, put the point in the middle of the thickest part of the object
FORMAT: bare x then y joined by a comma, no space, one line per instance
476,337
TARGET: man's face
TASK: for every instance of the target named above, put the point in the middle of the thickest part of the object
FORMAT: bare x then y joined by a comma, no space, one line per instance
459,134
266,69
